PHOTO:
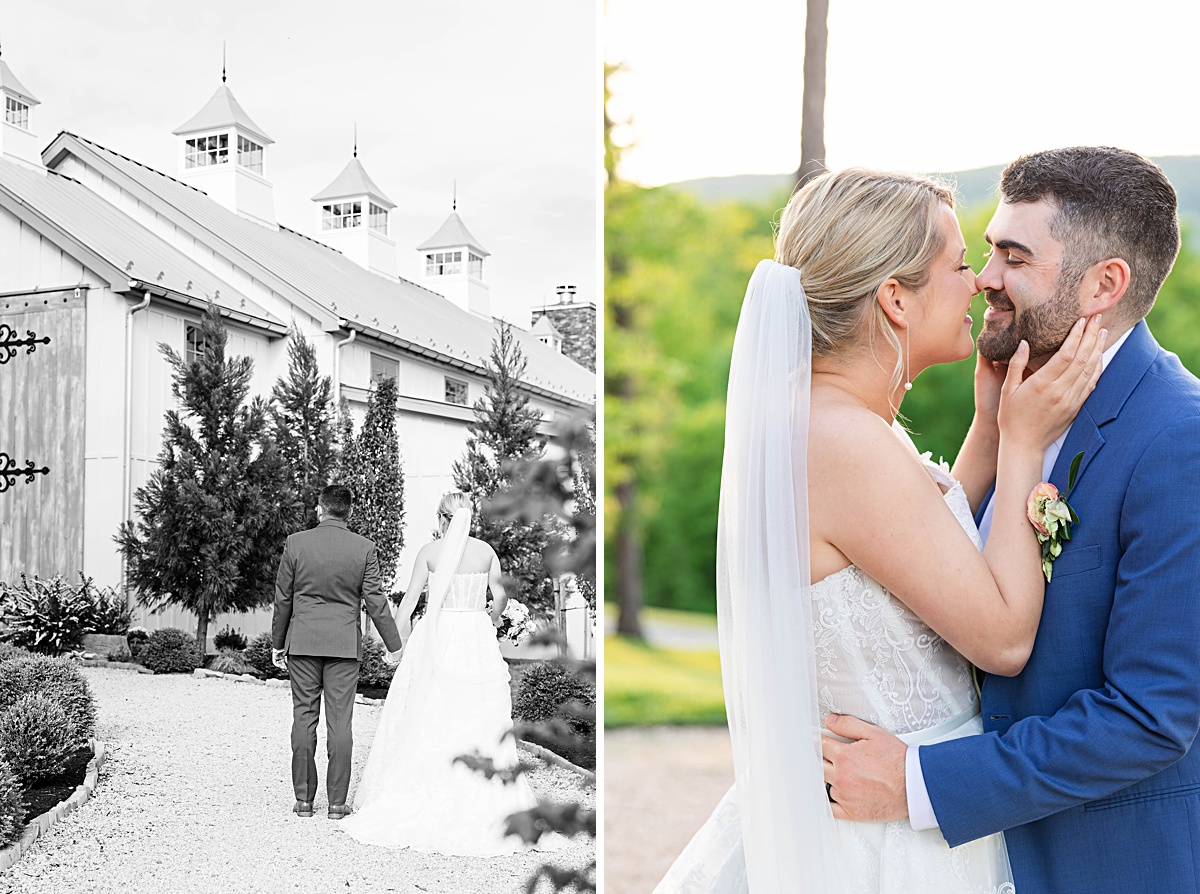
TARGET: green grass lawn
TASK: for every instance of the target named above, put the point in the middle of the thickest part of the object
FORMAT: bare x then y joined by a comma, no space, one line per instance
668,615
647,686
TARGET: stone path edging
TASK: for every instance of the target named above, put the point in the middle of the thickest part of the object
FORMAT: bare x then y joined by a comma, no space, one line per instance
36,826
120,665
550,757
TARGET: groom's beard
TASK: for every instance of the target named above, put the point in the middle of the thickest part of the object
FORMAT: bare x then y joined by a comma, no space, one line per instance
1045,326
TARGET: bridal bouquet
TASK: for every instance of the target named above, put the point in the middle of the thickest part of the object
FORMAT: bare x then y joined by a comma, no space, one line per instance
515,624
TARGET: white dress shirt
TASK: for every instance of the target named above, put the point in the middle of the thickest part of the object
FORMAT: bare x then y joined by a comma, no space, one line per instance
920,809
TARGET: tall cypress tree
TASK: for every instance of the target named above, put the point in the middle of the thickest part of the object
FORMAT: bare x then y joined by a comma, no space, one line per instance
372,469
502,436
302,423
213,517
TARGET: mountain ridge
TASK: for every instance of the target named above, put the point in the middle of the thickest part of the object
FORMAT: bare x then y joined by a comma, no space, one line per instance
974,186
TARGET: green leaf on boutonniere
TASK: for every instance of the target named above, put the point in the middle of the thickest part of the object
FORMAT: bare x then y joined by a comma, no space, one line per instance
1074,471
1074,517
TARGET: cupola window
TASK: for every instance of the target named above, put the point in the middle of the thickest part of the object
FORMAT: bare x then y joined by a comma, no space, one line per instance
341,215
475,266
250,155
378,219
443,263
201,152
16,112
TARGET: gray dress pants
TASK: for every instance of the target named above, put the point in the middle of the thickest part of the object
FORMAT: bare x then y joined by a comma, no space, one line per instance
337,678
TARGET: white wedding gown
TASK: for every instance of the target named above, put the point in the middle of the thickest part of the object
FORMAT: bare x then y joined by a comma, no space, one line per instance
878,661
450,696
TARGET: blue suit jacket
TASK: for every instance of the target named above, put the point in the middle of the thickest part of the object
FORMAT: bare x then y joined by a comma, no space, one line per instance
1086,761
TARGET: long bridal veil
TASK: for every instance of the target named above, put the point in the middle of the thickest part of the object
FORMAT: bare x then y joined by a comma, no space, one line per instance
764,611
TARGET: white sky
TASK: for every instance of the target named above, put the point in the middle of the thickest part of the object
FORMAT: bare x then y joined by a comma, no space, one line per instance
925,85
501,96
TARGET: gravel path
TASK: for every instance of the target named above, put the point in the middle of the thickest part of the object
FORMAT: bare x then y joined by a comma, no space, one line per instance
195,796
660,785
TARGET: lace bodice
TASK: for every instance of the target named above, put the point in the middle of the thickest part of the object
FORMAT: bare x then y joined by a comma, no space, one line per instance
468,593
876,659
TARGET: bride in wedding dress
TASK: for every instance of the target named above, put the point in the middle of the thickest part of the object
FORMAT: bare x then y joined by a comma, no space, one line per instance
851,578
449,697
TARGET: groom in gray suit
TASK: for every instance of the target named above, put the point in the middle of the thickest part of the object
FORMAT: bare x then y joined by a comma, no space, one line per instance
324,575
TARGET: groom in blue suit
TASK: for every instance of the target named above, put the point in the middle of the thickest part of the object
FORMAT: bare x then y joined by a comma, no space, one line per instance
1087,761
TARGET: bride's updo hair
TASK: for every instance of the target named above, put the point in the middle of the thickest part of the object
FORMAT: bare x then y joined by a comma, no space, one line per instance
450,504
850,231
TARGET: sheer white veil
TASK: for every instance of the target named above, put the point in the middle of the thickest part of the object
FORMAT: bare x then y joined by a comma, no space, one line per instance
764,611
454,544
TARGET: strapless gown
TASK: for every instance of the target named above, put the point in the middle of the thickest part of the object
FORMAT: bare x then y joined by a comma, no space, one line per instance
450,696
878,661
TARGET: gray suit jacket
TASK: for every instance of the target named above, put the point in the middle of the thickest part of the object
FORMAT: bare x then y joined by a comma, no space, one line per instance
324,575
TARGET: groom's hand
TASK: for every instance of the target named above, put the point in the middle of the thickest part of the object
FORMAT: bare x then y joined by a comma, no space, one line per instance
279,659
393,658
865,776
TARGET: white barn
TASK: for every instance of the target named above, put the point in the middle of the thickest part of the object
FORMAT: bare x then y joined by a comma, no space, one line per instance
109,257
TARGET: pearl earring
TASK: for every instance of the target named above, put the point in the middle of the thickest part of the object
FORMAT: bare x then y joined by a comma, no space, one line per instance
907,362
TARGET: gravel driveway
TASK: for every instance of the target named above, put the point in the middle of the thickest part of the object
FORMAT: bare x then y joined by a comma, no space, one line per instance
195,796
660,785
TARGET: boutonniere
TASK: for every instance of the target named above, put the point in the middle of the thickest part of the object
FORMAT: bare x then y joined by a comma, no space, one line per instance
1052,516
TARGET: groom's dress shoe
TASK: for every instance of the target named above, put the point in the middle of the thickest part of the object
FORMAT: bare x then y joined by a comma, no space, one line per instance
303,808
338,811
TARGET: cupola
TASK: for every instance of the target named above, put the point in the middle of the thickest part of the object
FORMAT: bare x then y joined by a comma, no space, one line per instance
452,265
18,141
354,219
223,152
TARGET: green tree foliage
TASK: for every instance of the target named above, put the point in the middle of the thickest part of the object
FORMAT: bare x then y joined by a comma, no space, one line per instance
302,423
501,438
371,467
681,272
213,517
675,273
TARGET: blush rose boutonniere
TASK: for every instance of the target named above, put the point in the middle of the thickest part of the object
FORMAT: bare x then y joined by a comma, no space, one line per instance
1052,516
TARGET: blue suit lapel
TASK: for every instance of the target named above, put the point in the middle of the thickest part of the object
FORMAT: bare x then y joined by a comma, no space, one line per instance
1102,406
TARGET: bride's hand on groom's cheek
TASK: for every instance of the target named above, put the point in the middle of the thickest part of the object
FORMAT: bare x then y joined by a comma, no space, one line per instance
865,776
989,379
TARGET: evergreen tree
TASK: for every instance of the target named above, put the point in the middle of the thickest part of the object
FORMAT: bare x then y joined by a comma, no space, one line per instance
500,441
371,468
347,457
213,517
302,421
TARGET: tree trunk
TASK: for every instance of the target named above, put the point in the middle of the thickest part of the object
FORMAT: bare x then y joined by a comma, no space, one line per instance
629,563
202,634
812,125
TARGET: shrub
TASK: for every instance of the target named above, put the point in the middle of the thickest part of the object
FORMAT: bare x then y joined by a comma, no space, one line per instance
372,669
258,654
57,679
46,616
171,651
37,737
229,639
545,687
230,661
137,637
12,804
8,652
122,655
111,612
